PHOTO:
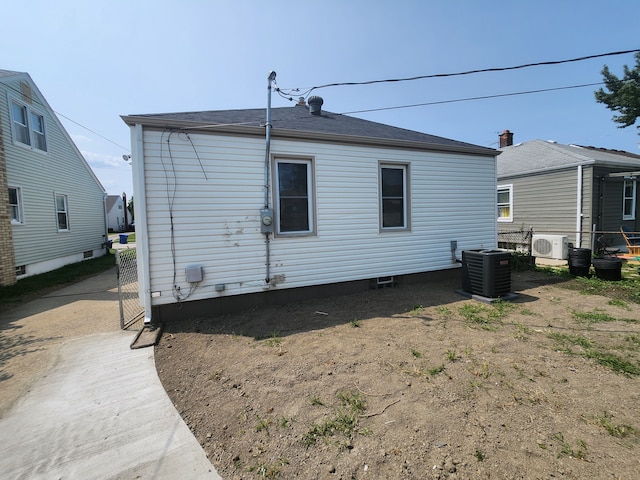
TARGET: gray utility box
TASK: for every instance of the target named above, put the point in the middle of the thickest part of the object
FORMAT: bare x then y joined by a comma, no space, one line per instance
486,272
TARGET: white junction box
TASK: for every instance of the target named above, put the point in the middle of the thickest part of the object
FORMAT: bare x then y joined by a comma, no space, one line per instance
550,246
194,273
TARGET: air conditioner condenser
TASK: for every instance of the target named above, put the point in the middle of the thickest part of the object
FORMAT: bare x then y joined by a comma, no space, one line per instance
550,246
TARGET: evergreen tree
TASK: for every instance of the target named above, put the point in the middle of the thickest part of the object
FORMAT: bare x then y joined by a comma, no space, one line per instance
624,94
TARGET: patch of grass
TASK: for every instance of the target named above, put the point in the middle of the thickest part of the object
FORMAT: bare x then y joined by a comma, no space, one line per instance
480,456
621,430
274,340
416,311
452,356
522,332
436,370
416,353
315,401
444,311
355,323
616,302
486,317
627,290
344,420
592,351
269,470
33,286
599,316
566,450
263,424
285,422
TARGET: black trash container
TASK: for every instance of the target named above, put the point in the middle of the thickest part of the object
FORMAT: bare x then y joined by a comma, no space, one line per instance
486,272
579,261
608,268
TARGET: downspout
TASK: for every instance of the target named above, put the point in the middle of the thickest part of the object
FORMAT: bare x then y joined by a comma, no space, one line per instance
579,209
140,209
267,229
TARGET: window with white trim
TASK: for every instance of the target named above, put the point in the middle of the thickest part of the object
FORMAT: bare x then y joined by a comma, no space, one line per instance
394,203
505,203
28,126
629,199
62,212
15,205
294,196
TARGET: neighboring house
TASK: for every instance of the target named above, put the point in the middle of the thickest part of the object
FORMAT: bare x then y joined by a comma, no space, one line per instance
115,213
566,189
328,203
51,203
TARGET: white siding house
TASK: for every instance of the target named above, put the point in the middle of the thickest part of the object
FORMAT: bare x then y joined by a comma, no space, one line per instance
115,213
51,203
349,201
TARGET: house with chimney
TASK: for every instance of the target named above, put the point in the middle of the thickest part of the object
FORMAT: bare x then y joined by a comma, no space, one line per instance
570,190
238,208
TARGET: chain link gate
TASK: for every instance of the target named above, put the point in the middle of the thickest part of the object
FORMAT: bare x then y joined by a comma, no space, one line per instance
131,311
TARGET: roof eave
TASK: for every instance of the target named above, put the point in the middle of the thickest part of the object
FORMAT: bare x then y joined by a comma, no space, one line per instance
259,131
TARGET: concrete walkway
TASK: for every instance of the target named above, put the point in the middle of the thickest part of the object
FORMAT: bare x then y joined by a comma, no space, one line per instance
80,403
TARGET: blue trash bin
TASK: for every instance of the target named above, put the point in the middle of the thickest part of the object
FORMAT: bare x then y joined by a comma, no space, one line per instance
124,237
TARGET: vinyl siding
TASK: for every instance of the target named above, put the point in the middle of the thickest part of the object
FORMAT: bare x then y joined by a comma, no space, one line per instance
40,176
215,197
548,203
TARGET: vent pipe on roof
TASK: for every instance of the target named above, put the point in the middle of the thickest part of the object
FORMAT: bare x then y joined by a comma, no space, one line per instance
506,139
315,105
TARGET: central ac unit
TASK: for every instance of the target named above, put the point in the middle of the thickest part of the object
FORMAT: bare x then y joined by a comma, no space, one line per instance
550,246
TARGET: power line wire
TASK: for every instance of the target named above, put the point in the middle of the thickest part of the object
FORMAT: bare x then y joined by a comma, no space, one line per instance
88,129
468,72
484,97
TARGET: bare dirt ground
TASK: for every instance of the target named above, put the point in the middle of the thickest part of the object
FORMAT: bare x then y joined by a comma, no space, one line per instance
415,382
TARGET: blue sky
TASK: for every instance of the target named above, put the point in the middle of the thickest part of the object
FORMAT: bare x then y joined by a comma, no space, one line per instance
95,61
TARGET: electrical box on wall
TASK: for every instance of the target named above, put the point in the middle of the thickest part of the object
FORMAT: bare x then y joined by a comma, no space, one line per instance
194,274
266,220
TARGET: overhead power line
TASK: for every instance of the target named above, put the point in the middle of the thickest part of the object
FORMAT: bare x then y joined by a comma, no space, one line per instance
468,72
484,97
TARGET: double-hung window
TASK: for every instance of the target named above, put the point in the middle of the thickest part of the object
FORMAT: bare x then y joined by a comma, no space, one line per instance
294,196
28,126
62,212
394,195
629,199
15,206
505,203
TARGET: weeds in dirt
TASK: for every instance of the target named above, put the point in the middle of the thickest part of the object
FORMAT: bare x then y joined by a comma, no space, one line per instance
452,356
480,456
436,370
415,353
594,352
263,424
600,316
355,323
621,430
486,317
416,311
274,340
627,290
269,470
566,450
315,401
344,419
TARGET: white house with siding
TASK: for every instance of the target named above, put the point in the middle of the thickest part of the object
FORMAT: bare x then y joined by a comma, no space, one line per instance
115,213
52,209
329,203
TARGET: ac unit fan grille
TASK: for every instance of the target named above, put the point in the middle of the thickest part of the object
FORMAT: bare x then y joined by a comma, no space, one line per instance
543,246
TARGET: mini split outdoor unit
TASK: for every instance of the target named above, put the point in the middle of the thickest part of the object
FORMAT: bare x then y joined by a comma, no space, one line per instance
550,246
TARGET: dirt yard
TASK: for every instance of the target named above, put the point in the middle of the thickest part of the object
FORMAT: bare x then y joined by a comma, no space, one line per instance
415,382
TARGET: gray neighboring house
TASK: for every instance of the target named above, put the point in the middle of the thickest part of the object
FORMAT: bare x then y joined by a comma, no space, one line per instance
330,204
52,210
566,189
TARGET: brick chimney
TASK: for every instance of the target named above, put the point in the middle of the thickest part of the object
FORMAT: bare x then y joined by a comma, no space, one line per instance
506,139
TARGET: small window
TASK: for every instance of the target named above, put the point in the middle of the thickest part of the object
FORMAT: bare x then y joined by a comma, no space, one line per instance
505,203
28,126
629,199
15,206
62,212
21,270
393,197
294,196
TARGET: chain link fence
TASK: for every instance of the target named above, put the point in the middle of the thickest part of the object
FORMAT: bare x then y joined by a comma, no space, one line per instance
516,240
131,311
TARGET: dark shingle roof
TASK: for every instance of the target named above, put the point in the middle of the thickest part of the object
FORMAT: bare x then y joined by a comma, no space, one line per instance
297,120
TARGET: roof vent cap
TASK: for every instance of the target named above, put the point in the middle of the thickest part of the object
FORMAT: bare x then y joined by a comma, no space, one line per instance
315,105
